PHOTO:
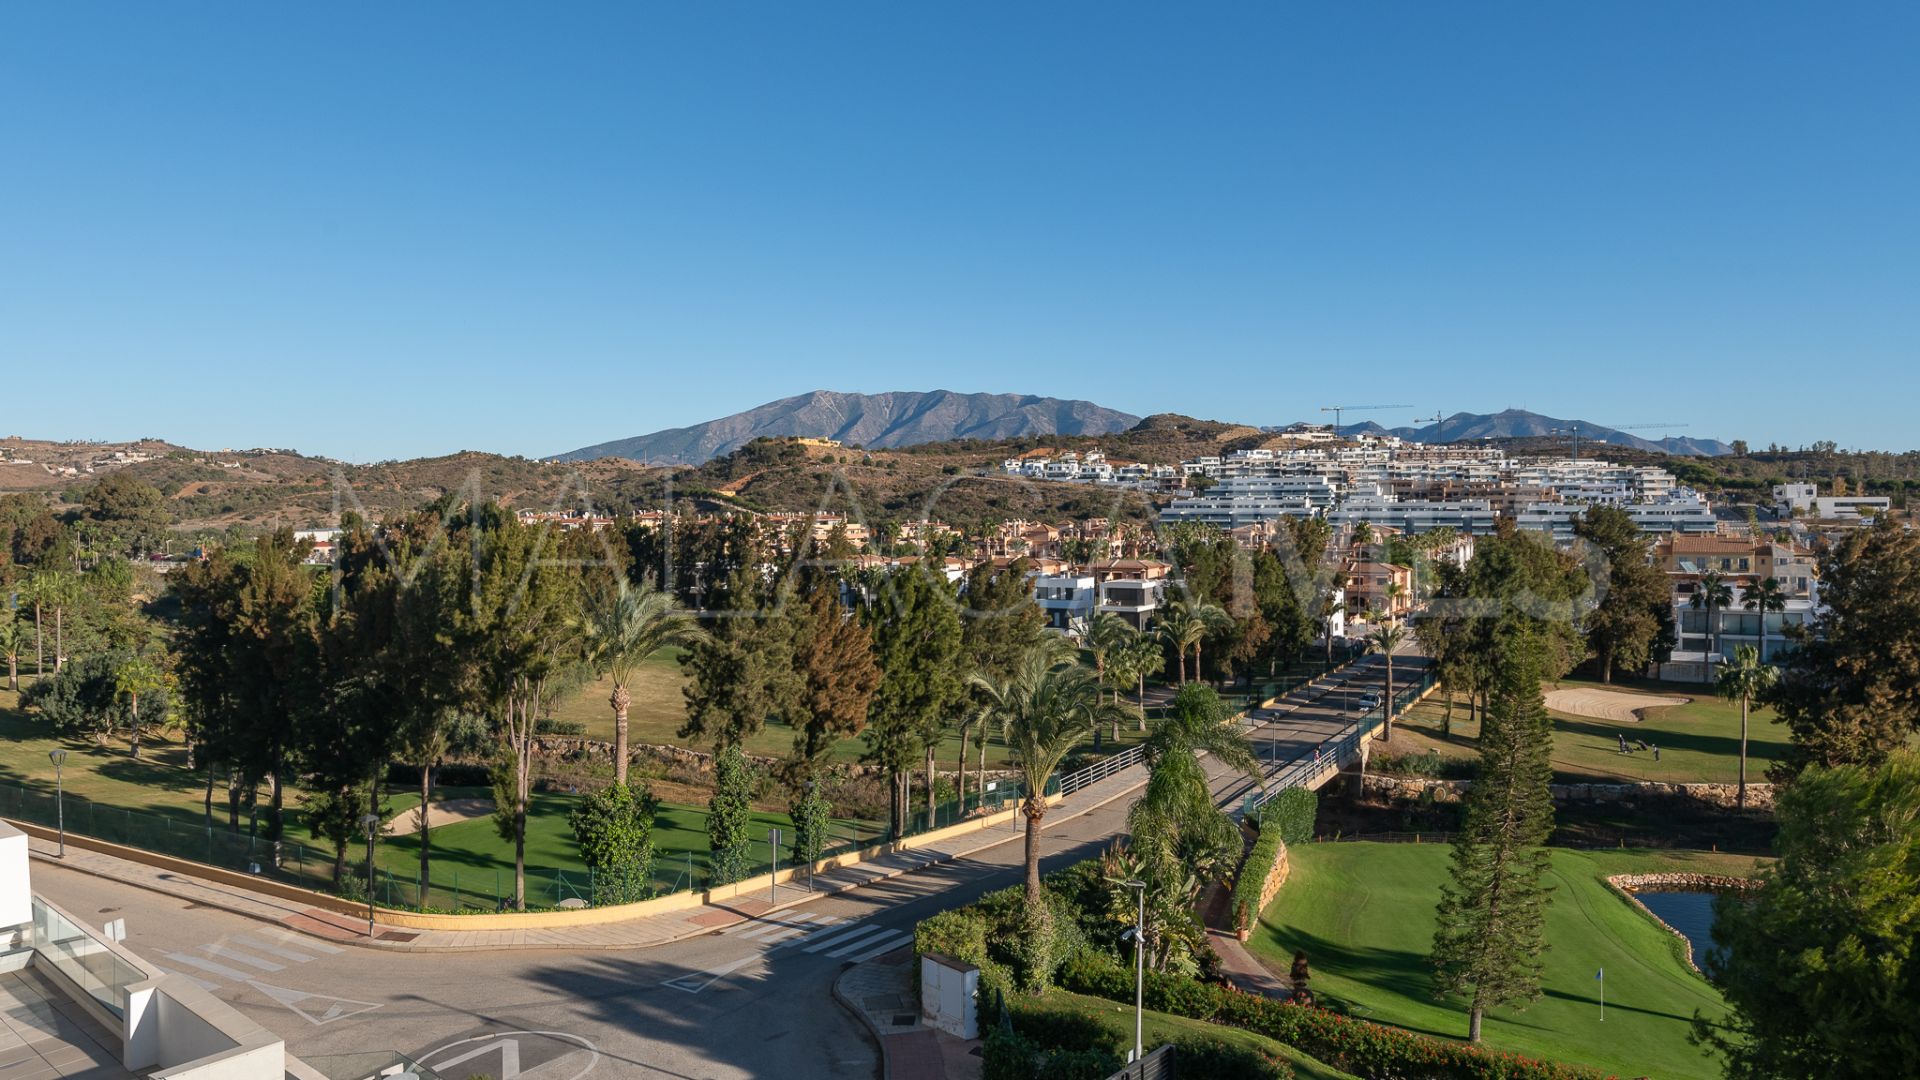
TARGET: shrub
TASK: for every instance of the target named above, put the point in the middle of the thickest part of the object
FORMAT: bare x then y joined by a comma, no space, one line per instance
1356,1046
1267,851
961,934
614,828
1195,1055
551,726
1291,813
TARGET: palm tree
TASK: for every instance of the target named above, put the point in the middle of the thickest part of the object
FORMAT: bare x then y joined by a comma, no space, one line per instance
1387,637
625,627
1044,709
1132,664
13,639
132,679
35,592
1763,597
1713,594
1196,618
1176,628
1107,637
1743,680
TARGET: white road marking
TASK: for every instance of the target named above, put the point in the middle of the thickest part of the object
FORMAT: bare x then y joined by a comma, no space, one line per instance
302,941
195,980
238,957
772,926
316,1009
883,947
208,965
700,980
794,932
891,937
271,950
824,925
841,938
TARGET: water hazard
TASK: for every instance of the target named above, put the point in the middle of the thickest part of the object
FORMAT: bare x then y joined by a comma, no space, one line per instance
1691,913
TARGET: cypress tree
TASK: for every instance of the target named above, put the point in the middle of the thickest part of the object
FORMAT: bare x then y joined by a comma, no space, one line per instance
1490,942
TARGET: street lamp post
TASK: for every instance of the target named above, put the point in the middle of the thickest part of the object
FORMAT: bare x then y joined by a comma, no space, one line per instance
1139,969
59,758
372,824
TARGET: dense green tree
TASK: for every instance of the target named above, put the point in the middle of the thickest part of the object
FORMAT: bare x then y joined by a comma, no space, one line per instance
519,627
1849,691
742,672
627,625
614,829
916,631
246,656
1634,604
833,659
1490,939
1821,965
85,699
729,815
126,513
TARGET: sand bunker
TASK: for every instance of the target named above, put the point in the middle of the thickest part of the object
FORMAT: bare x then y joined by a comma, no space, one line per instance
1621,706
440,813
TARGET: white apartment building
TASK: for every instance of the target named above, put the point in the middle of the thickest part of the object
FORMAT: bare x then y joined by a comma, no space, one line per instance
1806,499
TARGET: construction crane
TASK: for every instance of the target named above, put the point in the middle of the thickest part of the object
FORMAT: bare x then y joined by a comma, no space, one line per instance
1439,418
1336,410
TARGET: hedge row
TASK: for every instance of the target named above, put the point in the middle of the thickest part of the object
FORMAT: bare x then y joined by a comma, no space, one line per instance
1286,819
1065,1042
1356,1046
1267,851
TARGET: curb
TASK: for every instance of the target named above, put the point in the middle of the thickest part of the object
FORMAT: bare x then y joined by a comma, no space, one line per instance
866,1022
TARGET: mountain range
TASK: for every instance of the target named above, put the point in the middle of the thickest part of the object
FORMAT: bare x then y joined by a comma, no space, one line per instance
1521,424
902,418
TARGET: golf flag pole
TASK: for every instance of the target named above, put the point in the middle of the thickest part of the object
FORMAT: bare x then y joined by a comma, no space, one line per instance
1601,977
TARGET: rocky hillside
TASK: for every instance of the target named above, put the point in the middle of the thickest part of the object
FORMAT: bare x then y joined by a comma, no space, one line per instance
898,419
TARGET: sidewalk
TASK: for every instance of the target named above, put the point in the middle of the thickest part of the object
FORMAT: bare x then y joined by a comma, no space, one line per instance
631,934
881,993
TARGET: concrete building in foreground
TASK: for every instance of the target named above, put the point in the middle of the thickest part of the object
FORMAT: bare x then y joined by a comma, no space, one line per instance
75,1001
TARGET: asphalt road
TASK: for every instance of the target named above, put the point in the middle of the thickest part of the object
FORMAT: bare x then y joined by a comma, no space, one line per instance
752,1001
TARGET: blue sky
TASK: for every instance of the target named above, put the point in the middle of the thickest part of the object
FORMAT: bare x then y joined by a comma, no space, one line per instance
382,231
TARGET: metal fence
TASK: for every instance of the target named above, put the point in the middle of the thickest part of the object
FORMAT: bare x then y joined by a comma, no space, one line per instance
1310,768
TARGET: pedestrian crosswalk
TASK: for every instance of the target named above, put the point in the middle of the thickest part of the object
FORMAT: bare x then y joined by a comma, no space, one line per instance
242,958
831,936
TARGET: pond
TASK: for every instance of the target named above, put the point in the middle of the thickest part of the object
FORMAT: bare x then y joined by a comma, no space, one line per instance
1691,913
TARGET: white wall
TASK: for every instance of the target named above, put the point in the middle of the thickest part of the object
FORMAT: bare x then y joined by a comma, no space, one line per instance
16,882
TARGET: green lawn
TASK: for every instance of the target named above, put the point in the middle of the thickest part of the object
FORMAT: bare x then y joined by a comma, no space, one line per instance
1364,913
160,785
1158,1028
1699,742
659,708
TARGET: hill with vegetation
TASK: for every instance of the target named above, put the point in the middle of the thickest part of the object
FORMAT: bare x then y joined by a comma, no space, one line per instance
901,418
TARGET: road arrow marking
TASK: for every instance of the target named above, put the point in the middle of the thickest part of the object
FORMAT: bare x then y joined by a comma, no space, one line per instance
316,1009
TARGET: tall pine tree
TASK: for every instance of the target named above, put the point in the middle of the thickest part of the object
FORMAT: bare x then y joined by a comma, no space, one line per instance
1490,940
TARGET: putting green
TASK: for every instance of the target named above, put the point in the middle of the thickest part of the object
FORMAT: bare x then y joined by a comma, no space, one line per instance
1364,913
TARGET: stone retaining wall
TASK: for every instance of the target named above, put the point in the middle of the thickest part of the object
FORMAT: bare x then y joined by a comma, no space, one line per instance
1276,877
1723,796
1629,884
